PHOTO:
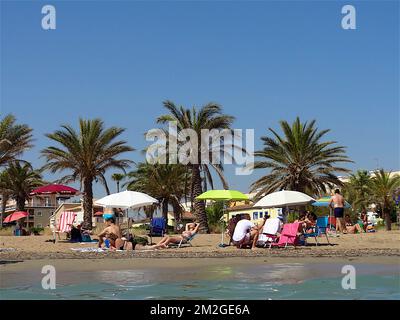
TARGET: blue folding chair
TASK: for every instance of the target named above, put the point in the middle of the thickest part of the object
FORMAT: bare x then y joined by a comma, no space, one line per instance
158,227
320,228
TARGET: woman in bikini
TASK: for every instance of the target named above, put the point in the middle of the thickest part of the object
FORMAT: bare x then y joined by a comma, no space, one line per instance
190,230
351,227
117,242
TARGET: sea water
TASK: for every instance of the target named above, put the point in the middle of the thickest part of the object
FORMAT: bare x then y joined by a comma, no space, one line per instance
261,282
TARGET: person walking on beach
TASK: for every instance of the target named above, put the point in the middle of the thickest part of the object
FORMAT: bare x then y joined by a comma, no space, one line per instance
338,209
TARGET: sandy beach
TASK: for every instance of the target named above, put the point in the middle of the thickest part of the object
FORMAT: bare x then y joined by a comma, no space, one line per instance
382,244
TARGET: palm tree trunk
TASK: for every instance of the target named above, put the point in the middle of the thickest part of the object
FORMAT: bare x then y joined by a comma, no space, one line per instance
20,203
87,203
386,214
177,214
117,186
199,205
165,209
4,198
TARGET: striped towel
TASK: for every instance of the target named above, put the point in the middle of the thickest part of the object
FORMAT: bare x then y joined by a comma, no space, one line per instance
67,218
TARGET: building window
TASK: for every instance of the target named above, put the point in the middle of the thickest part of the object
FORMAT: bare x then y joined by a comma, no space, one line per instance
261,214
39,214
39,225
255,215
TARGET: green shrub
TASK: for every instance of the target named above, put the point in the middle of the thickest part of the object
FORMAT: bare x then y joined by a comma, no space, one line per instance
36,230
215,212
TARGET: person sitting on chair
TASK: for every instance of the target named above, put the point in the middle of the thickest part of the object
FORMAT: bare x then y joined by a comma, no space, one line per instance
190,230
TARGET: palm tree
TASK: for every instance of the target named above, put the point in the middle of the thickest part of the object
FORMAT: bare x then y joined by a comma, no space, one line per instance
87,154
210,117
383,188
165,182
358,189
299,160
14,139
5,194
20,179
118,177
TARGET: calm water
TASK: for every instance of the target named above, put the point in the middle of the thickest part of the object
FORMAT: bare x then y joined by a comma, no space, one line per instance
269,281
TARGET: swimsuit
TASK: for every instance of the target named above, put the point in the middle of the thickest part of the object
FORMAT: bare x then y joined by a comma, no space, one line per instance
338,212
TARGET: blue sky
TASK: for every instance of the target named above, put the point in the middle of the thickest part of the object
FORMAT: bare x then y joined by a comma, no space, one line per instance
263,61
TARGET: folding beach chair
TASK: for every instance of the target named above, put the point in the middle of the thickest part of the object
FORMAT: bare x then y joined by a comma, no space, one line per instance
158,227
320,228
64,226
183,242
288,236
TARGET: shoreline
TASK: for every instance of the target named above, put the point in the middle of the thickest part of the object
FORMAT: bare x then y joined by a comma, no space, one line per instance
177,264
174,254
378,244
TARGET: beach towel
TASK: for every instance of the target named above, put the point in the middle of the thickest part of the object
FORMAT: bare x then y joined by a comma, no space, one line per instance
271,226
89,249
66,220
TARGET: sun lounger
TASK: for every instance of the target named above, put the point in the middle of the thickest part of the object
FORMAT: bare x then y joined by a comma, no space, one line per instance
288,236
184,242
64,226
319,229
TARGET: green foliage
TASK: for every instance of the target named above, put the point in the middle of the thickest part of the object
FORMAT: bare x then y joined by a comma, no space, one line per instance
357,190
36,230
299,160
215,212
14,139
87,154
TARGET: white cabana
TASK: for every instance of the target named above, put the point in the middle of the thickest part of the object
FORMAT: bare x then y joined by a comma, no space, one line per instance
284,198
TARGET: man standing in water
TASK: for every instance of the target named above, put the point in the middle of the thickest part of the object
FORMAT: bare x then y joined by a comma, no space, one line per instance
338,210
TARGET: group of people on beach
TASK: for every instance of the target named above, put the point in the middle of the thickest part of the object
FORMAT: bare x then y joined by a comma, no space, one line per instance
244,233
112,238
241,230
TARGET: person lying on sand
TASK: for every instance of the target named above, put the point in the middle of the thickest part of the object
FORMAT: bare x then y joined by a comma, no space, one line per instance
351,227
190,230
246,233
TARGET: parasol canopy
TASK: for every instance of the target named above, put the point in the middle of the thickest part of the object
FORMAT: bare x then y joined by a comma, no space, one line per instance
126,200
222,195
324,202
284,198
54,189
15,216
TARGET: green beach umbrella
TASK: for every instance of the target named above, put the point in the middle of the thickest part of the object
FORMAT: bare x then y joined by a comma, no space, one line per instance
222,195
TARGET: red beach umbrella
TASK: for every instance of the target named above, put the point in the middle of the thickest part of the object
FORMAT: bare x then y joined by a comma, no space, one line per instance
54,189
15,216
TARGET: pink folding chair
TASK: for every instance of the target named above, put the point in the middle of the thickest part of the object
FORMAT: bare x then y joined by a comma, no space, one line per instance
288,236
67,218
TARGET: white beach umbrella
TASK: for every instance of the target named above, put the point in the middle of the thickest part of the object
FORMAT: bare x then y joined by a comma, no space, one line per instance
126,200
284,198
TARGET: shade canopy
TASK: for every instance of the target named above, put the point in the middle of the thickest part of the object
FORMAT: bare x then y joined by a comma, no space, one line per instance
55,189
284,198
222,195
15,216
126,200
324,202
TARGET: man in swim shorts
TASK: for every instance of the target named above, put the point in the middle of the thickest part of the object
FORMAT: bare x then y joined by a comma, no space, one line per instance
338,209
